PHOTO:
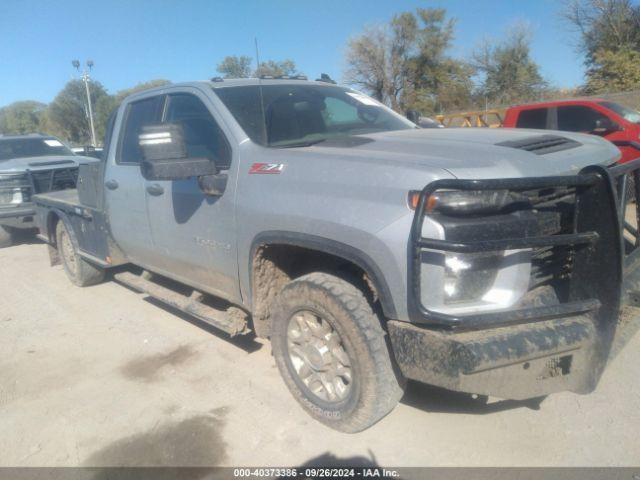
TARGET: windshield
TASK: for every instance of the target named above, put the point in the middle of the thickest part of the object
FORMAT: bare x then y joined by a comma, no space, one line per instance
629,114
31,147
302,115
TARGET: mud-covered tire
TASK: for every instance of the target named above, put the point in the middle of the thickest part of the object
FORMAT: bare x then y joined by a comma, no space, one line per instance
6,237
376,386
81,272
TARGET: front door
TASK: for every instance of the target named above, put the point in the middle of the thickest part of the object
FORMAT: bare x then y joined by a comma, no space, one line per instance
193,233
124,186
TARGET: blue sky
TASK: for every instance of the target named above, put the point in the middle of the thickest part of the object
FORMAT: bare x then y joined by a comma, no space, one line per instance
138,40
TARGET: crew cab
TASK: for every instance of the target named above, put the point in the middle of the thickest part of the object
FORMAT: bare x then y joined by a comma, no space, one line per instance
369,251
617,123
31,164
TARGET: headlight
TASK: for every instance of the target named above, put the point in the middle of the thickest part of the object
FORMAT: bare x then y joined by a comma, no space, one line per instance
468,277
14,189
460,202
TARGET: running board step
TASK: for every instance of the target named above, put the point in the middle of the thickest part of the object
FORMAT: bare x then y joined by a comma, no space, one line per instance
232,320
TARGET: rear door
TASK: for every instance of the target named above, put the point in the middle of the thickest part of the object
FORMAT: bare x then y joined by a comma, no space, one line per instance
125,194
194,234
536,118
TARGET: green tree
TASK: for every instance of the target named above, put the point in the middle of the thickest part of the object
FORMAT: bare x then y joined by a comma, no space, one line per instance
235,67
406,65
158,82
608,25
68,114
102,110
442,83
22,117
613,71
276,68
509,73
609,33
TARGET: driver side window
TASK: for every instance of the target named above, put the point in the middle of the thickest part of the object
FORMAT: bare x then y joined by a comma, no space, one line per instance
578,118
203,137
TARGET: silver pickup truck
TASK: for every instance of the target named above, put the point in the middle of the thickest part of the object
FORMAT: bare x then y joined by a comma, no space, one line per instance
31,164
369,251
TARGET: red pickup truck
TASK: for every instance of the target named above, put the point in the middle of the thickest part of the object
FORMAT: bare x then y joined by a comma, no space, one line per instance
615,122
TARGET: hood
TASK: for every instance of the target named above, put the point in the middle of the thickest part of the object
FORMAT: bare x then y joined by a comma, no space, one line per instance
474,153
49,162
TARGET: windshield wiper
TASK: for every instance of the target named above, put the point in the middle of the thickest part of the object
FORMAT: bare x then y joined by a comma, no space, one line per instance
300,144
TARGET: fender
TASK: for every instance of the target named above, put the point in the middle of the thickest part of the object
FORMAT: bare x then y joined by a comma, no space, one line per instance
331,247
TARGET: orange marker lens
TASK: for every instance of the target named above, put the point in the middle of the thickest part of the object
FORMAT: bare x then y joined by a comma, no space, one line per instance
414,198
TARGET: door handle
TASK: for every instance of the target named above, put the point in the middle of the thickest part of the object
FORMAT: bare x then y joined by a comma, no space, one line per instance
155,189
111,184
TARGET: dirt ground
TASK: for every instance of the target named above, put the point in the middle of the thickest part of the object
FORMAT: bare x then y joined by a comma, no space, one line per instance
104,376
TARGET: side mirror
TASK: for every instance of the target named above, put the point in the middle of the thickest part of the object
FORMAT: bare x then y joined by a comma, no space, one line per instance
213,185
164,155
414,116
605,125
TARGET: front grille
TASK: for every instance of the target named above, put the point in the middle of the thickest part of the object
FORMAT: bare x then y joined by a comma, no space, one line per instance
53,180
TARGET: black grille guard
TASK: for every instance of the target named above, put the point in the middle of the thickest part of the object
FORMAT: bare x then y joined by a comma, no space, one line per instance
599,267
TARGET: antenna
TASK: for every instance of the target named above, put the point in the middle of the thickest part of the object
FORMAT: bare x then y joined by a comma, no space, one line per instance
264,117
255,41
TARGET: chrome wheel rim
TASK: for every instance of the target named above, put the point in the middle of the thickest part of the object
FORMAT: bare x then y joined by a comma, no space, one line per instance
318,357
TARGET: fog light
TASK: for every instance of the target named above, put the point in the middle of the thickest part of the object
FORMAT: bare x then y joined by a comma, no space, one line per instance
468,277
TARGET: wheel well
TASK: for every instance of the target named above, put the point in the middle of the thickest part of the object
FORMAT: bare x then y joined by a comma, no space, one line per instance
274,265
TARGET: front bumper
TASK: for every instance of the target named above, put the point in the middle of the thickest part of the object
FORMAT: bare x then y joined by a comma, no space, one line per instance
532,351
18,217
518,362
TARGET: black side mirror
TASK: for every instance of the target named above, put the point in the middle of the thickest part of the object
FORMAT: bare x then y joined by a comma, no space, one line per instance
414,116
164,155
213,185
605,125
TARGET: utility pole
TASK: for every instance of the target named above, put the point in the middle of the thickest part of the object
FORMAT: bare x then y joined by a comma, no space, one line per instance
86,78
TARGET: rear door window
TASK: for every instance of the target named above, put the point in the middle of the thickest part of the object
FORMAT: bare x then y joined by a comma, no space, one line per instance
534,118
139,114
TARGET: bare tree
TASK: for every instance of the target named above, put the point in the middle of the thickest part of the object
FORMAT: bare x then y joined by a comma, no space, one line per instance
604,25
367,57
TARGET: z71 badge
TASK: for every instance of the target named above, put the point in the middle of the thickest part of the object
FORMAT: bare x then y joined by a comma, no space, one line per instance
266,168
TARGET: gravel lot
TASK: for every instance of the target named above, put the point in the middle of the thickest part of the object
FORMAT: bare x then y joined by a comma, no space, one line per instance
104,376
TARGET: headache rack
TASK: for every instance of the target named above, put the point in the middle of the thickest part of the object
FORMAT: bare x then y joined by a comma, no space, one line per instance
42,181
595,245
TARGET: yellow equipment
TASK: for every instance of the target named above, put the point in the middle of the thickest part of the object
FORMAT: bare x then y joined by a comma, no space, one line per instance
482,118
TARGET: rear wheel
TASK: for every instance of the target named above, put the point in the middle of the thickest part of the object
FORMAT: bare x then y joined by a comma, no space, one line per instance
81,272
6,237
331,352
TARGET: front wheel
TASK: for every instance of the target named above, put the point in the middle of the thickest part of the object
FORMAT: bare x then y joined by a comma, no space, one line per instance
331,352
81,272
